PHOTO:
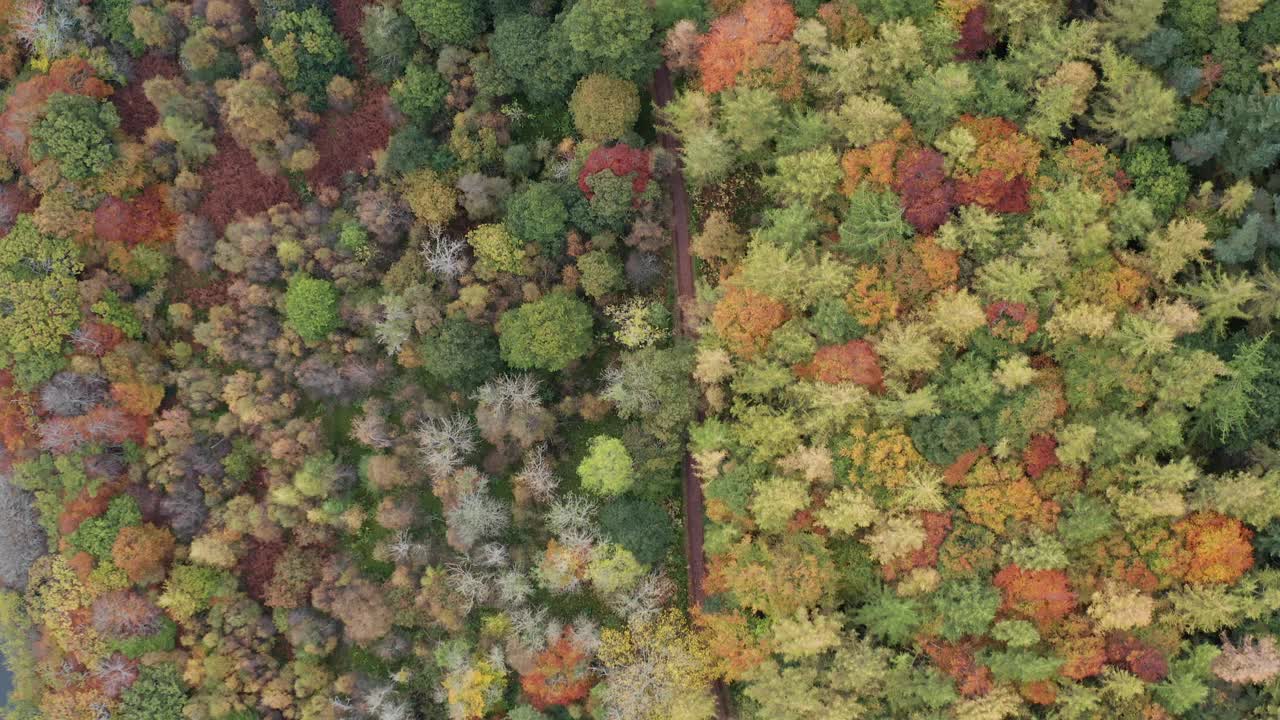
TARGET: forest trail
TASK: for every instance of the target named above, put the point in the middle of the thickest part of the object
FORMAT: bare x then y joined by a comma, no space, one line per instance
663,93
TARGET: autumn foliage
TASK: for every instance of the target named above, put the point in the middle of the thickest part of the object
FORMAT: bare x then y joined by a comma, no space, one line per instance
745,319
753,47
998,175
621,160
562,675
854,361
1042,596
1212,548
145,219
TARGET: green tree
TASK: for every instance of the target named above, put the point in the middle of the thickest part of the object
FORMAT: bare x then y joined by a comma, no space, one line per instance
157,694
966,608
496,249
889,617
389,40
537,214
1135,104
307,52
607,469
311,307
76,131
547,334
604,107
601,273
809,177
420,92
612,36
460,354
447,22
534,54
640,526
874,218
39,301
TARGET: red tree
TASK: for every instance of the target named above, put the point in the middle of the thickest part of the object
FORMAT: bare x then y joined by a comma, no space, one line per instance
1040,455
974,38
745,320
620,160
923,188
998,175
143,552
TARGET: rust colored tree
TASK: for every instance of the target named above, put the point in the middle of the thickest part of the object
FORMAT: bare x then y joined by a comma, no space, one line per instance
752,47
854,361
1041,596
745,320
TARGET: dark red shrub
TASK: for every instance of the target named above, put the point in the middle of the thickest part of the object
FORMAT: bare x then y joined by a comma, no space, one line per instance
957,661
144,219
233,185
346,141
258,567
136,111
1138,657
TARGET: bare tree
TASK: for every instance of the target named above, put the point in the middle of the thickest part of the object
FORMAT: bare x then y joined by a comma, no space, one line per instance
477,516
445,255
444,443
536,476
22,540
70,394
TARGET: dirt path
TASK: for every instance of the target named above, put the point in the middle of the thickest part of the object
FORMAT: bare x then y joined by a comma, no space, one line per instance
694,511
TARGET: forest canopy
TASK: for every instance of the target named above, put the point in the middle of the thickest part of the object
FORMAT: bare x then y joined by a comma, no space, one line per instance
628,360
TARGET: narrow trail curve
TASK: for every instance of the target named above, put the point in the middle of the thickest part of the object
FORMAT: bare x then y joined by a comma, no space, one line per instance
694,510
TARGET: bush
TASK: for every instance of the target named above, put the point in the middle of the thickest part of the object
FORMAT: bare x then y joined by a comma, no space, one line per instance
537,214
604,107
311,307
607,469
76,131
547,334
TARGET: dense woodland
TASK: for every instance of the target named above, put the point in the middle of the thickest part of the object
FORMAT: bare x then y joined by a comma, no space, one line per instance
343,375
